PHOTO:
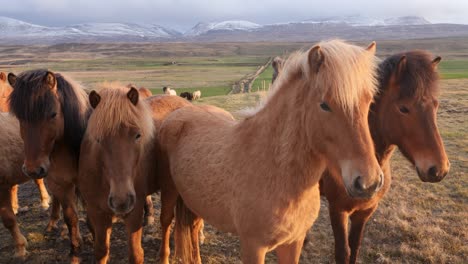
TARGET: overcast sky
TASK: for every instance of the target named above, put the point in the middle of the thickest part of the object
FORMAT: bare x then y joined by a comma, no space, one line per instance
183,14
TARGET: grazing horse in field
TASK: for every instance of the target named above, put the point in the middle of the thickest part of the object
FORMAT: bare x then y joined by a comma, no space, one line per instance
403,115
52,113
119,162
196,95
5,90
187,95
169,91
258,178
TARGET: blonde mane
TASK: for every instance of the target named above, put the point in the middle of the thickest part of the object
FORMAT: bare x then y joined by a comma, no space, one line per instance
347,73
116,110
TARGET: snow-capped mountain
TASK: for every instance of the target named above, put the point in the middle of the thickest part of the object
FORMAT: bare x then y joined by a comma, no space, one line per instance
14,31
13,28
369,21
406,20
122,29
202,28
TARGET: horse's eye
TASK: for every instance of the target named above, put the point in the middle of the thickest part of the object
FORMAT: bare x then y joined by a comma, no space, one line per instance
325,107
53,115
404,110
138,136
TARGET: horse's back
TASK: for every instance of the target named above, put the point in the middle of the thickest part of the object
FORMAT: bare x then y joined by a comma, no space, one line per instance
194,122
162,105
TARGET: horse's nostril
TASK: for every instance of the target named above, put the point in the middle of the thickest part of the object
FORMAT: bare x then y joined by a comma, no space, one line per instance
41,171
358,184
110,201
432,171
381,181
131,199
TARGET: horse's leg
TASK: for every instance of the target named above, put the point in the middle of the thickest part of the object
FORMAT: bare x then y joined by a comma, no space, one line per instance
288,254
358,223
168,202
339,221
197,227
66,196
14,198
149,211
45,199
252,253
134,230
202,234
9,221
54,215
102,226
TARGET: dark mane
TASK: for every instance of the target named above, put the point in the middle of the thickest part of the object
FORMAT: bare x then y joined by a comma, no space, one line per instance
32,101
417,79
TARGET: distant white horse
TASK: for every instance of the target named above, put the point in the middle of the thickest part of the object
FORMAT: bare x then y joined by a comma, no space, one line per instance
169,91
196,95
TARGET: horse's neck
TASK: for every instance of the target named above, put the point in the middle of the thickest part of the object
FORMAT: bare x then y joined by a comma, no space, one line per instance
277,134
383,148
63,153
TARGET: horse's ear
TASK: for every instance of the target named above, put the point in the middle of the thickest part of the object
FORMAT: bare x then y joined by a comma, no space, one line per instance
50,80
435,62
3,76
11,79
372,47
133,95
401,67
315,58
94,99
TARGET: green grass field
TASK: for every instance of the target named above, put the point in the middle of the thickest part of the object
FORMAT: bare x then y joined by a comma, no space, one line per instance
454,69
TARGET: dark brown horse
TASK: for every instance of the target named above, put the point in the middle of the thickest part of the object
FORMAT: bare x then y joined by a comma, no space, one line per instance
5,91
187,95
52,112
404,116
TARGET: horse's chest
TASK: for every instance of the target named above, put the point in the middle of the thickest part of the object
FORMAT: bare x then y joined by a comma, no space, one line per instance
285,221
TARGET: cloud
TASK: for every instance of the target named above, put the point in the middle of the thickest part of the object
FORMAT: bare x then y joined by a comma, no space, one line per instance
183,14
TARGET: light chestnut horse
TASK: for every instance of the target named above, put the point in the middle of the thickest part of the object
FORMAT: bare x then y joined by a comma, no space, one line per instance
258,178
5,91
52,111
403,115
117,166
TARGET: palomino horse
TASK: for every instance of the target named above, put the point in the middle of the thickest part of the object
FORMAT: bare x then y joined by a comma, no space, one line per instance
5,90
118,162
52,112
403,115
259,177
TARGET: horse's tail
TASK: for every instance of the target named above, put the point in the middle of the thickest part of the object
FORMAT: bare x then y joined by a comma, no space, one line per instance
183,233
